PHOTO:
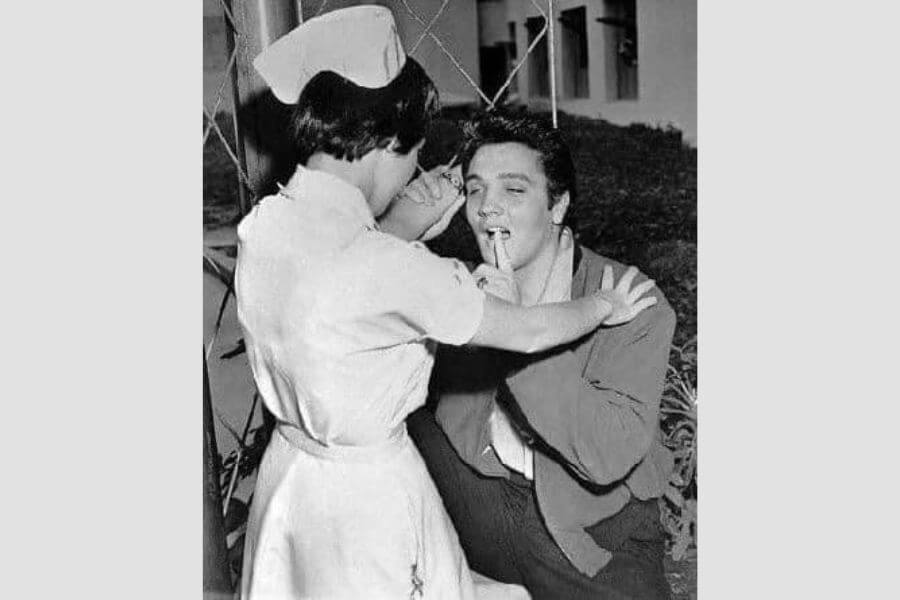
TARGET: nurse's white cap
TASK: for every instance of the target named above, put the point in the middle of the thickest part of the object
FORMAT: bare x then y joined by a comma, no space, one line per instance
359,43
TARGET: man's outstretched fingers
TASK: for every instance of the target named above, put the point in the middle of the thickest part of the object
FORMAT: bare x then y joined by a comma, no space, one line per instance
606,283
645,303
641,289
627,278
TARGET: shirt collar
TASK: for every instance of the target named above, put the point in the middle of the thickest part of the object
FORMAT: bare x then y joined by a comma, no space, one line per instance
329,192
559,280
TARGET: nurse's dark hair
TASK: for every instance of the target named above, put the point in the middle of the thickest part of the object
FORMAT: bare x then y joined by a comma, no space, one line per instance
347,121
498,127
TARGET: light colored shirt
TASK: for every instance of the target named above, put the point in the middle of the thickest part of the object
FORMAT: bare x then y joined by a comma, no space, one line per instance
341,320
511,449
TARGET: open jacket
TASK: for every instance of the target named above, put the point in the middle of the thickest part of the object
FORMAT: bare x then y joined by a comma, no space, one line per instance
589,410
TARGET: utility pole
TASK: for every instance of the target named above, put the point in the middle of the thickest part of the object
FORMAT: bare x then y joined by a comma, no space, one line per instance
259,137
216,570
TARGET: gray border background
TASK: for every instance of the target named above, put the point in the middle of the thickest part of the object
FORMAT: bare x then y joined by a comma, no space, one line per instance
102,300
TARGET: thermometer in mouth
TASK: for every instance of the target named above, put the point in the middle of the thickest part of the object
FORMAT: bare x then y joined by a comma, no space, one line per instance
496,233
501,258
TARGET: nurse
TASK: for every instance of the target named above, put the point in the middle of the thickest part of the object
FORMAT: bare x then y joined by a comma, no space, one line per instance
341,320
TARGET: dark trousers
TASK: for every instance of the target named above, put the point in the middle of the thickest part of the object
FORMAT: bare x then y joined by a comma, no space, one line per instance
504,537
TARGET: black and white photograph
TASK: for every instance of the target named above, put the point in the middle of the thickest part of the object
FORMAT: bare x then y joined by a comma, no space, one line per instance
450,299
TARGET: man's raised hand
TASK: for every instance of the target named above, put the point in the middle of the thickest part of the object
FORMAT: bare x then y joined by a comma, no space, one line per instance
625,303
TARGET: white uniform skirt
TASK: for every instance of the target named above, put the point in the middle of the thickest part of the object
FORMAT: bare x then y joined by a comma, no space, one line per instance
352,522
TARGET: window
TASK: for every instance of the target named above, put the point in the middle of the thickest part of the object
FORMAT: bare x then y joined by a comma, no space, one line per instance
538,64
620,23
574,53
496,49
511,57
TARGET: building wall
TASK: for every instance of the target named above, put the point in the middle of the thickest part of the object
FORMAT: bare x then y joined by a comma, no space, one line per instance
215,55
667,65
491,22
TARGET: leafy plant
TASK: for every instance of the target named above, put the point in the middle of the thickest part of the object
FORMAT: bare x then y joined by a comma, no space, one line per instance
220,178
679,420
241,462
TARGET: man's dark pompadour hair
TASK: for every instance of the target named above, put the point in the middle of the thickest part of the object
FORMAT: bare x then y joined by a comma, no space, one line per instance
347,121
537,133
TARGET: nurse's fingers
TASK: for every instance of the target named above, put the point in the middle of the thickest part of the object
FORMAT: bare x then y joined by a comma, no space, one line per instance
454,178
432,182
418,192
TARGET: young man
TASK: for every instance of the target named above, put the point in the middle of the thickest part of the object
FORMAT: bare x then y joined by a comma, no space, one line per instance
550,466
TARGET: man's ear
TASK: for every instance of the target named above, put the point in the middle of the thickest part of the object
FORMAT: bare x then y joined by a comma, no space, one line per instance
558,210
393,145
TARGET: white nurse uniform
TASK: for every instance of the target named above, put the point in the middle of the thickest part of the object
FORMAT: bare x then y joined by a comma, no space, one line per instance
340,323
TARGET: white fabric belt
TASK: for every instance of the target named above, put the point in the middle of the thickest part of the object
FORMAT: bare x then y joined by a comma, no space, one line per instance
377,452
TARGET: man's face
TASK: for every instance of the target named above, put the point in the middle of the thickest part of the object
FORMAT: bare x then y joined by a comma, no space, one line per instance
506,188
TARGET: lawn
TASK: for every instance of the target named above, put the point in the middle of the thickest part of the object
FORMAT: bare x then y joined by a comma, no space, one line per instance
636,203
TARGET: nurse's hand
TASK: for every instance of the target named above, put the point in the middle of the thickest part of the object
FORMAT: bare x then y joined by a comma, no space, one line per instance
432,187
424,208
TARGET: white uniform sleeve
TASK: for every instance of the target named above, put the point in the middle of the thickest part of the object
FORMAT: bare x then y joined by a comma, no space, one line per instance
413,294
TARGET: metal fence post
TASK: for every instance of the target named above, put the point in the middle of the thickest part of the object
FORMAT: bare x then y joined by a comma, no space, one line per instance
216,570
551,28
232,40
258,23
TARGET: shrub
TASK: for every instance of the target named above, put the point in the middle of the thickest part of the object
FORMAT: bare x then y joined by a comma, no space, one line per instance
678,410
